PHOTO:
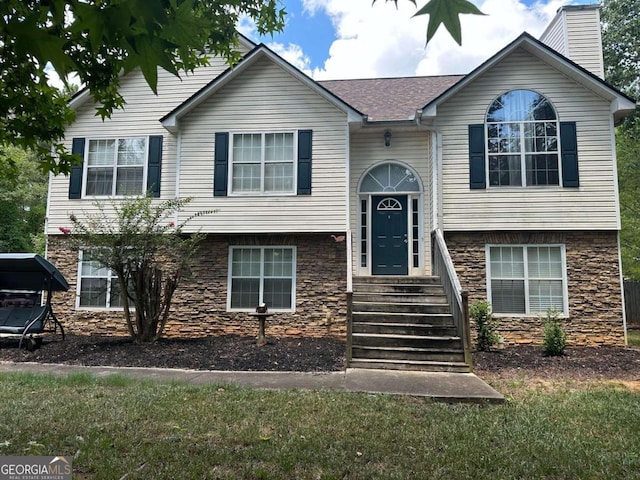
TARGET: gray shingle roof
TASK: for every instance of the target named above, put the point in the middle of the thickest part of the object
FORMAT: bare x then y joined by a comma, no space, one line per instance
384,99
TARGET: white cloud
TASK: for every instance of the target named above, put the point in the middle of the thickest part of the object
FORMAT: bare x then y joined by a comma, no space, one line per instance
293,54
380,41
247,26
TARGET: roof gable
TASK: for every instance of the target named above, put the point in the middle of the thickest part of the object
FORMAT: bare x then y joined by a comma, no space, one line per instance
621,104
171,119
83,95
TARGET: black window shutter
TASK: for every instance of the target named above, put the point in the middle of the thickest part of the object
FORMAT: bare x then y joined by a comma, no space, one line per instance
477,169
75,178
221,164
154,168
304,161
569,154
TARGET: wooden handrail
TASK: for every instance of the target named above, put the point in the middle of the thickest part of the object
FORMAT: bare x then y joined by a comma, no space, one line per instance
442,266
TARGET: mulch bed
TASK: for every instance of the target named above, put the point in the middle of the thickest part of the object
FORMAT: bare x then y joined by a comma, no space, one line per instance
232,352
578,363
228,352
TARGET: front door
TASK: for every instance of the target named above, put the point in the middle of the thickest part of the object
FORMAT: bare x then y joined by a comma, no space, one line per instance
389,250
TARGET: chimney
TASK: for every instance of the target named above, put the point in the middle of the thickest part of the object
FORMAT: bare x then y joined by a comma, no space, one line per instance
575,33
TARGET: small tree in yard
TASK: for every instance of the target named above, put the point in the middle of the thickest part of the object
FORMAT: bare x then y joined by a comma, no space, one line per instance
486,326
554,340
138,240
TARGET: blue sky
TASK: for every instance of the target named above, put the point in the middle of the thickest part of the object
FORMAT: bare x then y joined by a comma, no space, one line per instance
331,39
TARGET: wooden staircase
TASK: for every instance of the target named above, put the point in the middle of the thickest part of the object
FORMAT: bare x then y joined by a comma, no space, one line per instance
403,323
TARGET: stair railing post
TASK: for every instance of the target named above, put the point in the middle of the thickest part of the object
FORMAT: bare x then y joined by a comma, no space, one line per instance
349,326
466,328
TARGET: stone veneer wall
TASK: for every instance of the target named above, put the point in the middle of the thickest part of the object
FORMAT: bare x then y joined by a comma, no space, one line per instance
199,303
593,278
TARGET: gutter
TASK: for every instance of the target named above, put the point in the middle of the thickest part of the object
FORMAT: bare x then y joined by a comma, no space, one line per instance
436,169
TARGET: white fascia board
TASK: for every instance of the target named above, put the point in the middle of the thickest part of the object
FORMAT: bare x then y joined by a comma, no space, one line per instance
430,110
582,77
621,107
80,99
171,121
353,116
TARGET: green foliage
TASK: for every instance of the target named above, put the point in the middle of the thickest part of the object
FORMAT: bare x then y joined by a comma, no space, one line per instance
445,12
139,241
98,40
628,156
23,200
554,339
621,44
621,51
485,325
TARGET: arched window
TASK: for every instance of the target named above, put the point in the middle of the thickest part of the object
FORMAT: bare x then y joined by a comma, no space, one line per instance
522,140
389,177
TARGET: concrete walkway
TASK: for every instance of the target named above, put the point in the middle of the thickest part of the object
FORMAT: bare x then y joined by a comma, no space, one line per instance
451,387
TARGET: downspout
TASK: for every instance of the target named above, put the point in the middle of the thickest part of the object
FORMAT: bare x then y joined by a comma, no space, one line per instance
348,211
624,310
436,175
349,240
178,166
614,160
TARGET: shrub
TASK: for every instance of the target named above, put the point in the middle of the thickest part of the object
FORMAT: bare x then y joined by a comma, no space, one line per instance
554,340
486,326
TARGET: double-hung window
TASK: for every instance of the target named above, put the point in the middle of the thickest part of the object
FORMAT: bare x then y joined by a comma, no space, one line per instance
98,286
522,140
263,163
262,275
527,279
115,166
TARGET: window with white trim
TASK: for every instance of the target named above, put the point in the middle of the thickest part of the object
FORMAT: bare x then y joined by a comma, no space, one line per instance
527,279
115,166
98,286
263,162
522,140
262,275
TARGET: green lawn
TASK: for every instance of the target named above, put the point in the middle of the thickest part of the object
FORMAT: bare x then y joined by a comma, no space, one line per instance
634,337
116,426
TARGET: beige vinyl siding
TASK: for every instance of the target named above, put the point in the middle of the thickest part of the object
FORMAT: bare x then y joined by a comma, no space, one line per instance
140,117
265,98
584,40
410,147
592,206
575,33
555,34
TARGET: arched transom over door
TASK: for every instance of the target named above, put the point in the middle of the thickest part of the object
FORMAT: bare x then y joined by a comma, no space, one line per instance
390,221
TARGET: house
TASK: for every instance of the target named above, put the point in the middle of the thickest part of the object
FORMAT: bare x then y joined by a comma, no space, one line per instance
347,199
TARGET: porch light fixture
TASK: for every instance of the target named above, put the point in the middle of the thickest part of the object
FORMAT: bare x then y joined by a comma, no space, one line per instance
387,138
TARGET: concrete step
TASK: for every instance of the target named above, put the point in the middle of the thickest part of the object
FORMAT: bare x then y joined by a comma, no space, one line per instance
397,328
406,354
412,365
